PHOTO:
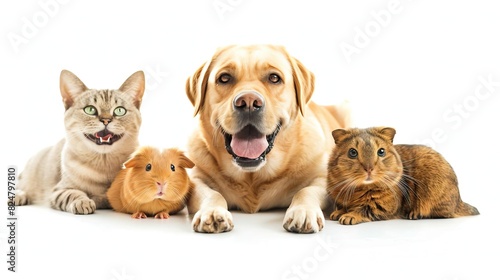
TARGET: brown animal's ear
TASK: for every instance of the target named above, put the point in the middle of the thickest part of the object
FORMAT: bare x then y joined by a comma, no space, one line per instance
70,86
185,161
303,80
134,85
139,155
340,135
131,162
196,87
387,133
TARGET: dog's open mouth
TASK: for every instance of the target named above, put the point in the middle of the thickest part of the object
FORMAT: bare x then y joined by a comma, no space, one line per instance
249,146
103,137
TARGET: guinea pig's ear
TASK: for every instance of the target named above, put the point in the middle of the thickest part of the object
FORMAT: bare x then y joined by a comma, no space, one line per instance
387,133
340,135
132,162
185,162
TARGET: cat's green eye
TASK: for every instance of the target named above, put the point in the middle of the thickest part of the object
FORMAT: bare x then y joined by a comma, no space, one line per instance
148,167
381,152
119,111
352,153
90,110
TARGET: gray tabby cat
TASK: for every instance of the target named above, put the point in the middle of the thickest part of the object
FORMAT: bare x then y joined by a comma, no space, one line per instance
102,128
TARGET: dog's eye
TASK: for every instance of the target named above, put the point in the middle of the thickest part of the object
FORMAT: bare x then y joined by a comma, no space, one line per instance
224,78
352,153
274,78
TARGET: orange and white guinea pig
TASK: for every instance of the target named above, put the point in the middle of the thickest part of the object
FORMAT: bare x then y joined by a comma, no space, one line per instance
153,183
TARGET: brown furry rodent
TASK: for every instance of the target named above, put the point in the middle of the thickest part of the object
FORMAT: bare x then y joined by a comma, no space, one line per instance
153,183
371,179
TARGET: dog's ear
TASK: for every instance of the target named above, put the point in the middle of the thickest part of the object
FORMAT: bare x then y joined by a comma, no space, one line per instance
196,87
303,80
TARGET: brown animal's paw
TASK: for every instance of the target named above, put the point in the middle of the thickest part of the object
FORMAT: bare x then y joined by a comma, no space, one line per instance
304,219
162,215
352,219
82,206
139,215
213,220
414,215
335,215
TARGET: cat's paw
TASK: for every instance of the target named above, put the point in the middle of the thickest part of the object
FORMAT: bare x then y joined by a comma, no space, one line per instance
213,220
162,215
139,215
335,215
352,218
82,206
414,215
20,198
304,219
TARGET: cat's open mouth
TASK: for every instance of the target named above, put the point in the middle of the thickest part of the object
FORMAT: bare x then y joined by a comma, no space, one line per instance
103,137
249,146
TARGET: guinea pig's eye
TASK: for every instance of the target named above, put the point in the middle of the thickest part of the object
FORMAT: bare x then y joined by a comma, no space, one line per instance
172,167
274,78
352,153
148,167
224,78
381,152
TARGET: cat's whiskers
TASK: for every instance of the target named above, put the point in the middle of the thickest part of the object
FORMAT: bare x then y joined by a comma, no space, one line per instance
347,187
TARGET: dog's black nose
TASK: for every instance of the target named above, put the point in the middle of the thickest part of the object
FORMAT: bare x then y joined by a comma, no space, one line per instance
248,101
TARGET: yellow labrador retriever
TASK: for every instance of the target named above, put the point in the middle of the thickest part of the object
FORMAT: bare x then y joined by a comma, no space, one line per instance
261,143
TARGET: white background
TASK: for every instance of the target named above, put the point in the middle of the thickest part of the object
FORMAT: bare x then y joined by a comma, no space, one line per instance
416,65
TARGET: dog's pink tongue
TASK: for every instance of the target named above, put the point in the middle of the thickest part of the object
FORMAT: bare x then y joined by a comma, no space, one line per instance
249,148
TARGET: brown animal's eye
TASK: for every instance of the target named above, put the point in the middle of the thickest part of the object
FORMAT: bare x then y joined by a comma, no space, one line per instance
274,78
172,167
224,78
352,153
148,167
381,152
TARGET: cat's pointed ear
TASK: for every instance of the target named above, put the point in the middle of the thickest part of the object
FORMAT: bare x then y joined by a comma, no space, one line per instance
135,85
339,135
387,133
70,87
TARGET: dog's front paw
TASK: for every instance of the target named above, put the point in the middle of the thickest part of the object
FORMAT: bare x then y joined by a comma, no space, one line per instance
303,219
213,220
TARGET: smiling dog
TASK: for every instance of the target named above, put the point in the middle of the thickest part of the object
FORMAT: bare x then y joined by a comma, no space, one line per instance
261,143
